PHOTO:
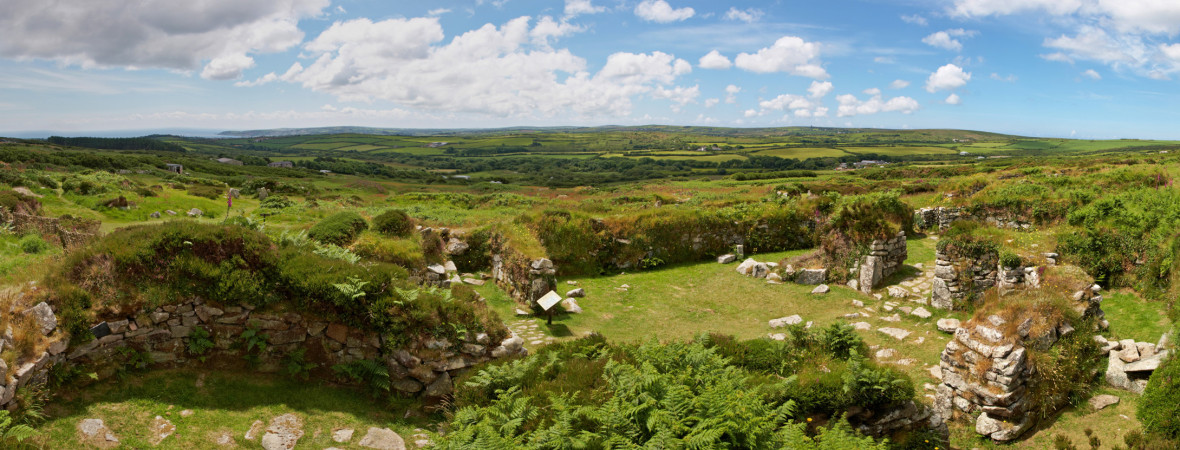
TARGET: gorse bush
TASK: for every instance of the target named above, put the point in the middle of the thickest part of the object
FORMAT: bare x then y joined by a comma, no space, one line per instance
339,229
394,222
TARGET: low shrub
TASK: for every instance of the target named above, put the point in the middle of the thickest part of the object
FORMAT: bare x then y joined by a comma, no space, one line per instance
340,229
405,252
33,244
15,201
394,222
1157,407
1009,259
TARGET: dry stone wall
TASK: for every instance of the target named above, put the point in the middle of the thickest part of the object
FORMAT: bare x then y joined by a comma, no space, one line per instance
884,258
985,369
956,279
50,228
423,367
938,218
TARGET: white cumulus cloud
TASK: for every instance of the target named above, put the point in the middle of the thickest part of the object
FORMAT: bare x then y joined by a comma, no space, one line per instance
1092,74
579,7
748,15
154,33
660,11
953,99
819,89
731,92
789,54
503,71
715,60
852,106
948,77
899,84
914,20
946,39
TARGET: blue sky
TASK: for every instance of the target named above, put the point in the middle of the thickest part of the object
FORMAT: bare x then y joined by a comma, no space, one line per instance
1069,68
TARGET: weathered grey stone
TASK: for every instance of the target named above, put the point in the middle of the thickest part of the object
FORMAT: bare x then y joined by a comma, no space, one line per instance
921,313
439,389
897,292
438,269
870,273
1130,351
576,293
726,259
1146,364
811,276
43,314
896,333
821,289
342,435
283,432
784,321
382,439
1098,402
571,306
96,433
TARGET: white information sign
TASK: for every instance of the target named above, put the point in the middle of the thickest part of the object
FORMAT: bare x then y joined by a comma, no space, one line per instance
548,300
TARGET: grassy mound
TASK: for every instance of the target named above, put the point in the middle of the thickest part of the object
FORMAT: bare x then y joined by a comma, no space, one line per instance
152,265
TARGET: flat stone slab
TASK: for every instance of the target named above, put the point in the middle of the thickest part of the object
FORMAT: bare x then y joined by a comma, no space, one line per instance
863,326
96,433
948,325
821,289
160,430
342,435
784,321
382,439
1098,402
282,434
896,333
921,313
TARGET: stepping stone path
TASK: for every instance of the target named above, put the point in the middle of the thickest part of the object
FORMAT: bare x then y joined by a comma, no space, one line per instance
223,439
420,438
896,333
342,435
382,439
160,430
282,434
95,433
530,330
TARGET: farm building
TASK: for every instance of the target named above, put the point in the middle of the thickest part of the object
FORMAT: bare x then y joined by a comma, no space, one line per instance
283,164
175,168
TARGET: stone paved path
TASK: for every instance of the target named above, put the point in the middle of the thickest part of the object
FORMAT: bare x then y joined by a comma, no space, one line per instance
531,331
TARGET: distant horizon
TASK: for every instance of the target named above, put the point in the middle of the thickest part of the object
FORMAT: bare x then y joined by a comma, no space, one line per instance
1084,69
218,133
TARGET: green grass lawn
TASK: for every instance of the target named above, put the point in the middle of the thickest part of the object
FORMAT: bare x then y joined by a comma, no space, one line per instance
227,402
1131,317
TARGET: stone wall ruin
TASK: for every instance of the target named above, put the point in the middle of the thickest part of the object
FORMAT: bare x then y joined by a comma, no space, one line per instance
885,257
422,368
985,369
